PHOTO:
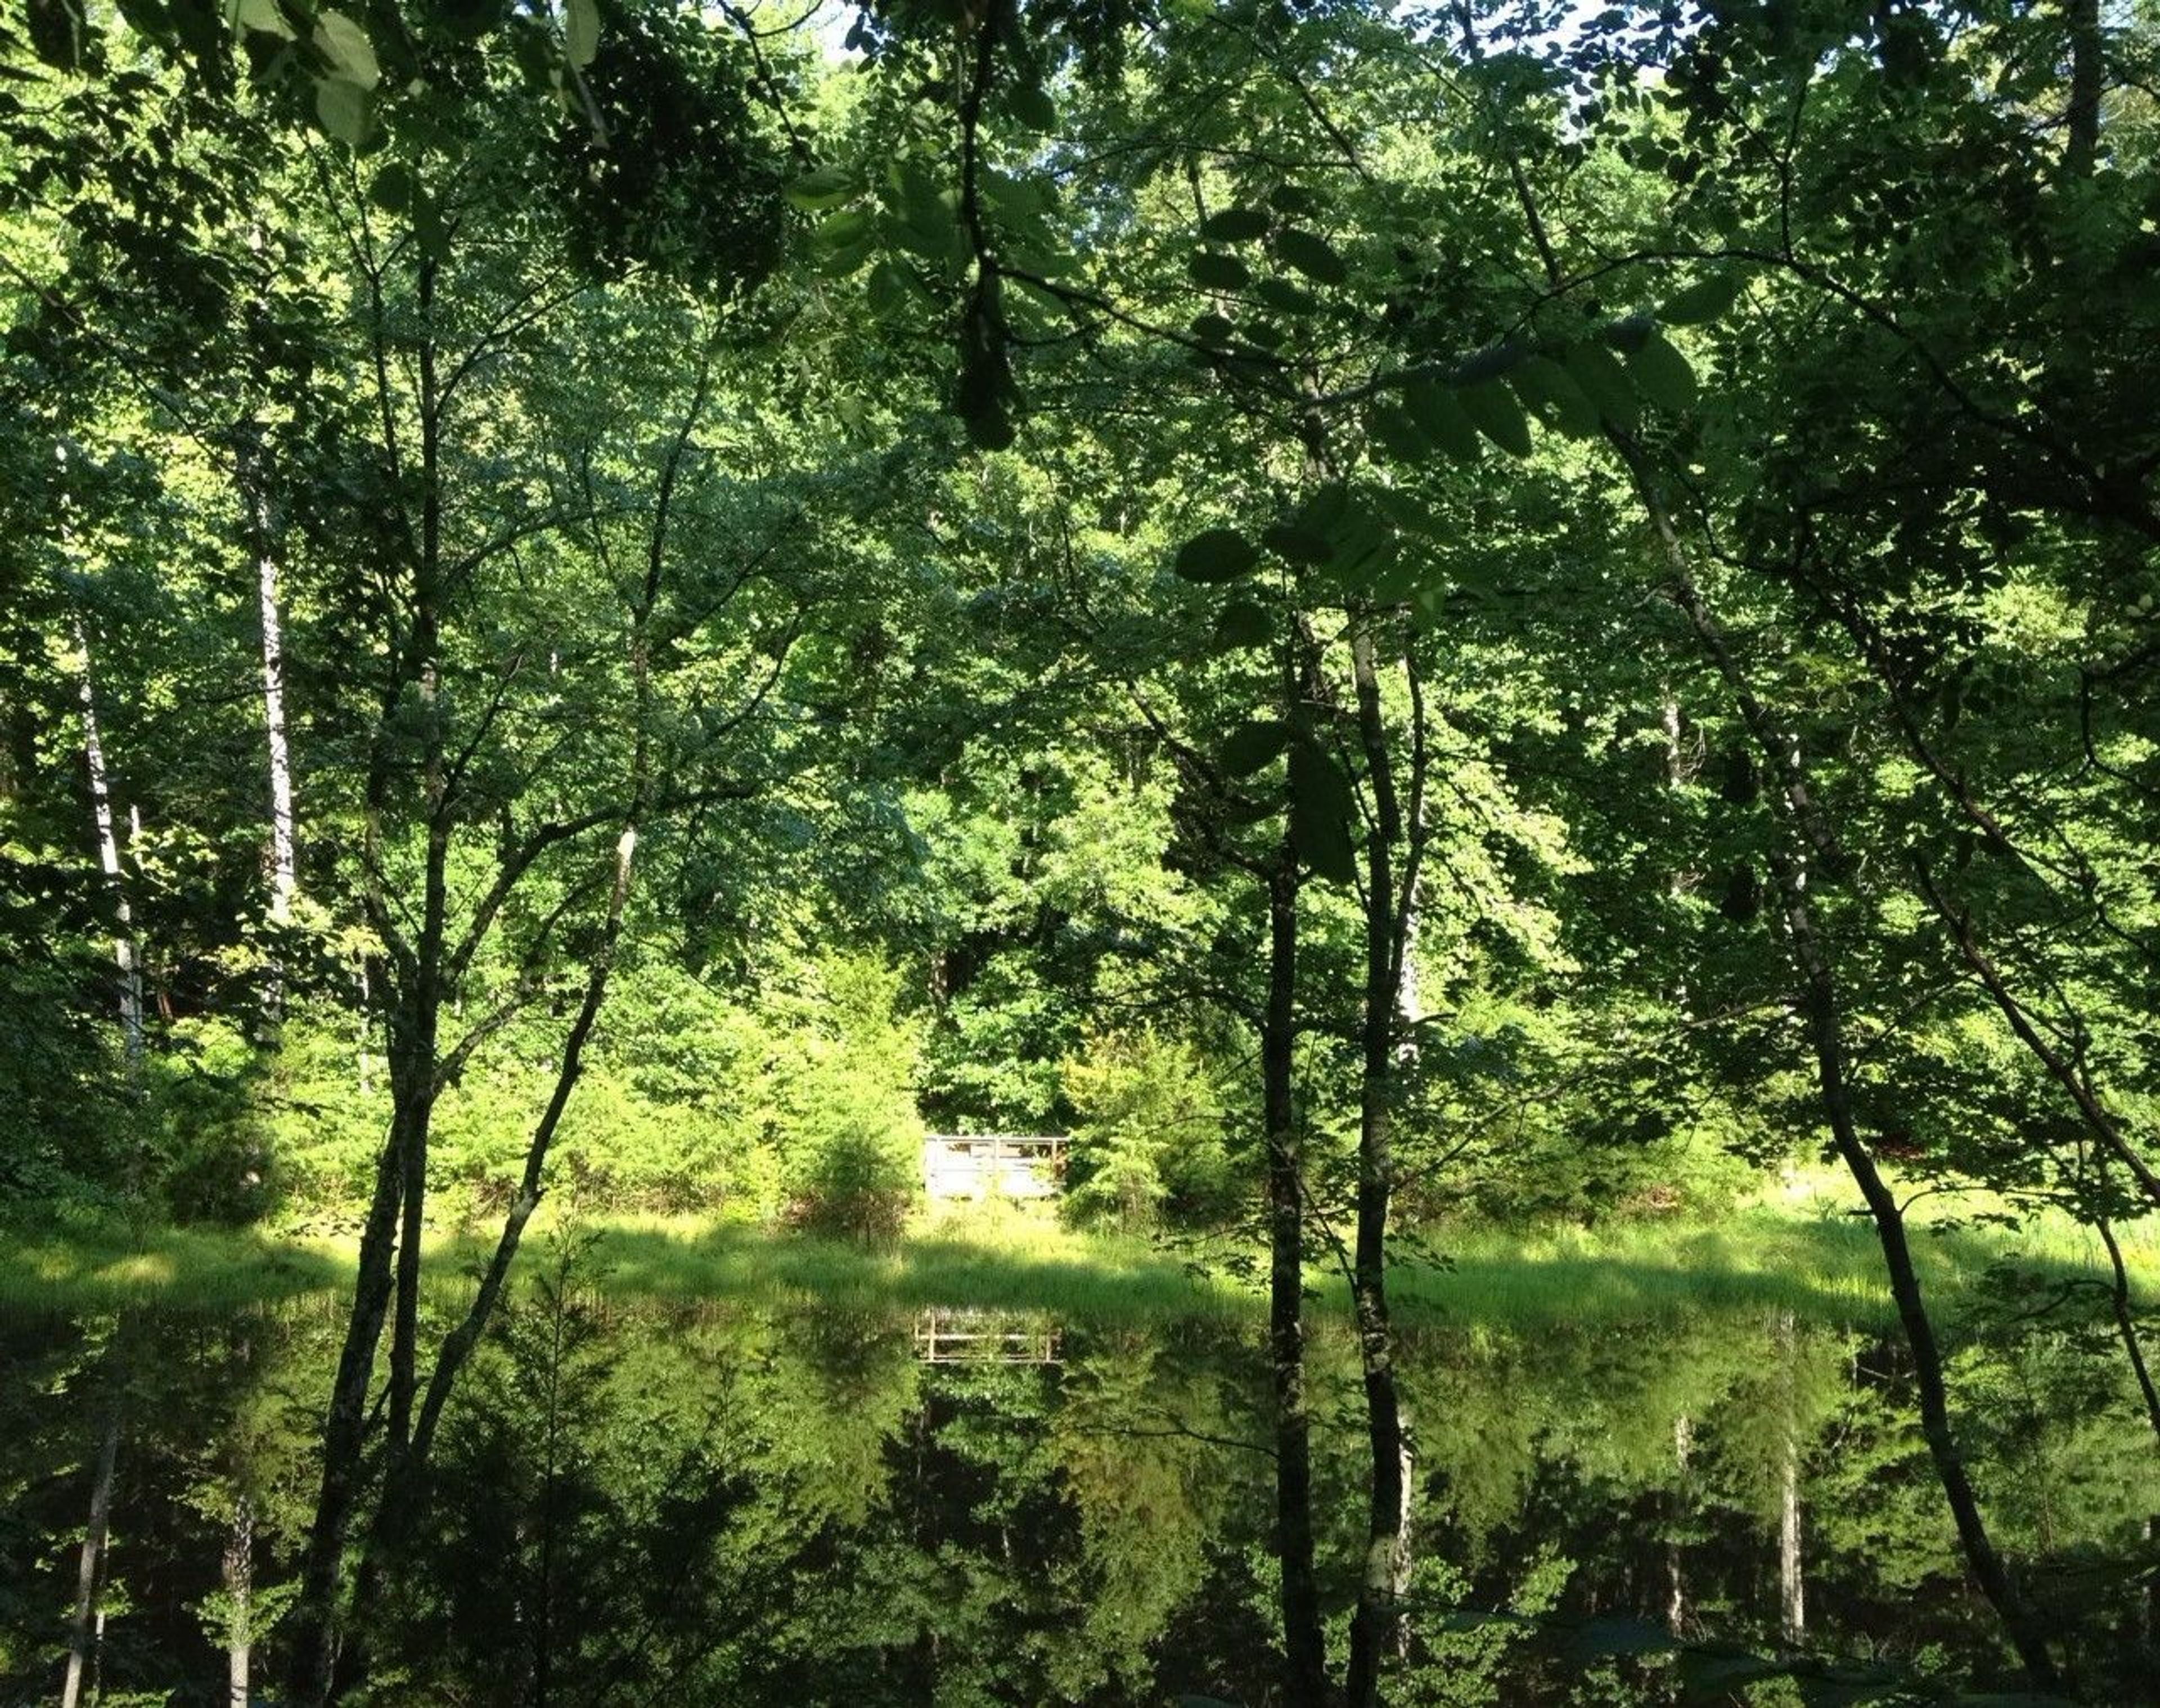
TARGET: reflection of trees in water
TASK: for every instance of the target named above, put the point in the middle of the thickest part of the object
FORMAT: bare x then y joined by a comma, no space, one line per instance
728,1505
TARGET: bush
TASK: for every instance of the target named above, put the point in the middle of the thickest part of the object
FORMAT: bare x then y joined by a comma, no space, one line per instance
1148,1142
850,1139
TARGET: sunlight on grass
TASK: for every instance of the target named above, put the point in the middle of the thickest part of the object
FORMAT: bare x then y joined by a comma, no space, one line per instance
1796,1247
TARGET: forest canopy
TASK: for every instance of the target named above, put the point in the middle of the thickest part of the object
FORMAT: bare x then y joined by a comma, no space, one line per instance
1395,617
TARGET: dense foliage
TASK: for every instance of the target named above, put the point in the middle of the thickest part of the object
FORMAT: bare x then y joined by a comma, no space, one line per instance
1387,615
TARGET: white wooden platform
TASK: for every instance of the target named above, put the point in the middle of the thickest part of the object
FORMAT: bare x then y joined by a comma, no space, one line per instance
958,1165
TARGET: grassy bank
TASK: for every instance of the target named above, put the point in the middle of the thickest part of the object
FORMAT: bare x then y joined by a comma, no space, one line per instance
1797,1249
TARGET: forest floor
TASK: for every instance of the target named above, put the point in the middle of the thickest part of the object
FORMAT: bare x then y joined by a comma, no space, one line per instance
1798,1246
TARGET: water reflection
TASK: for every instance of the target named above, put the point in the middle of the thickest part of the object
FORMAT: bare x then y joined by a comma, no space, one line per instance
637,1505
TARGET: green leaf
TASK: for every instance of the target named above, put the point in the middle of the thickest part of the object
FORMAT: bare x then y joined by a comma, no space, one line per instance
1321,808
1545,389
342,108
581,31
827,187
1235,225
1031,104
1213,272
1442,419
1295,543
1220,554
393,187
346,45
1497,415
1281,294
1244,622
1252,746
263,16
891,288
1663,373
1393,429
849,226
1213,328
1310,255
1705,299
1605,382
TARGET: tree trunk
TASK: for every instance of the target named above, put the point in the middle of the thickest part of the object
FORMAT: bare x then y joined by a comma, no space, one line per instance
1375,1628
1826,1033
1305,1683
1819,1005
1676,1607
2126,1323
125,950
238,1574
284,861
1791,1591
2088,76
87,1620
345,1431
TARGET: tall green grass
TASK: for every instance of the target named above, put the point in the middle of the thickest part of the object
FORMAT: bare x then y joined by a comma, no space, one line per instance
1795,1249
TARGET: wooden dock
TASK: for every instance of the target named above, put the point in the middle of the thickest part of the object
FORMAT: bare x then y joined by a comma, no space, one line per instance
964,1336
962,1165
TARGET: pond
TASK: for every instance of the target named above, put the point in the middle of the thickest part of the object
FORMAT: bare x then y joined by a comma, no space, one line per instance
640,1502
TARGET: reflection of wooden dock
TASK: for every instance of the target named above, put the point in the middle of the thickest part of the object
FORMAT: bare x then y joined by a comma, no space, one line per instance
992,1165
983,1338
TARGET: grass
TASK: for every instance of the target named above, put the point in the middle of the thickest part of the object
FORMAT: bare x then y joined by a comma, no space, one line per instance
1796,1247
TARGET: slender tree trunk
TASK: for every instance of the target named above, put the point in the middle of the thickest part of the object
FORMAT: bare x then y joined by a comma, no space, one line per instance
239,1575
429,993
2126,1323
1304,1683
1791,1594
2088,76
1820,1008
125,949
1676,1607
87,1623
345,1432
126,952
1827,1032
1376,1626
284,861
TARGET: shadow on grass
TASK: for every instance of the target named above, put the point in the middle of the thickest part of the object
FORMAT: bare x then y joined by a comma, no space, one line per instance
44,1271
1821,1269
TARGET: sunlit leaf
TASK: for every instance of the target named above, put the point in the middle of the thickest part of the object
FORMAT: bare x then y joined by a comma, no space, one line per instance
826,187
581,31
344,109
346,45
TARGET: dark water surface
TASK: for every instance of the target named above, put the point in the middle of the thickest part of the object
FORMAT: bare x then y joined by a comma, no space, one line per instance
637,1504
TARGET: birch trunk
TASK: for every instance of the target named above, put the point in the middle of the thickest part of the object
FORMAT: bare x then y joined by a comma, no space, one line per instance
1676,1607
88,1621
1792,1594
238,1574
125,951
284,866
